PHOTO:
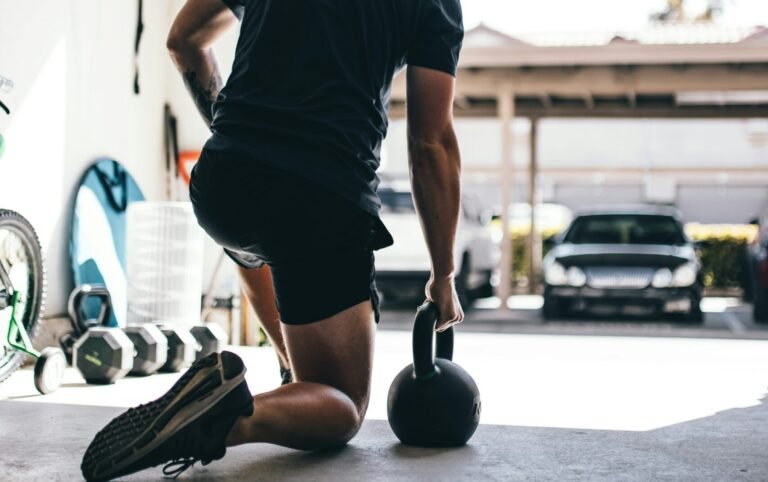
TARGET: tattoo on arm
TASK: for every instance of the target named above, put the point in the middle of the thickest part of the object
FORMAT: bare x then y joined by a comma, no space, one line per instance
203,95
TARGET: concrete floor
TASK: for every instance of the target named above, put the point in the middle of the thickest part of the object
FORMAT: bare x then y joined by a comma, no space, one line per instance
556,407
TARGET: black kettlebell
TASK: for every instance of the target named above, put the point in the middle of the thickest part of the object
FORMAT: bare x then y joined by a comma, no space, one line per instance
83,298
433,402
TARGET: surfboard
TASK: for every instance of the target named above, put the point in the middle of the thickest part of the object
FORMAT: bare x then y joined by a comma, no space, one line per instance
98,236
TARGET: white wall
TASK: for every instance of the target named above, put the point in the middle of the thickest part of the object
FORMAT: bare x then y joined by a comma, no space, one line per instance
72,65
600,143
73,101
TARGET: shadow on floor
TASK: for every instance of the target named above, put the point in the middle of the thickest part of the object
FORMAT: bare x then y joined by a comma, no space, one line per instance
44,441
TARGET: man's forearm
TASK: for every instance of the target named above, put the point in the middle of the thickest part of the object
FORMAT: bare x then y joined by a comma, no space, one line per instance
201,76
435,177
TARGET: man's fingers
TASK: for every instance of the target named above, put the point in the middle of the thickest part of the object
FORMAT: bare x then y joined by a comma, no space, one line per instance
447,324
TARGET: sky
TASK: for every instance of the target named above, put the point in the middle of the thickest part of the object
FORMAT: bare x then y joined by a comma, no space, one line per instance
543,16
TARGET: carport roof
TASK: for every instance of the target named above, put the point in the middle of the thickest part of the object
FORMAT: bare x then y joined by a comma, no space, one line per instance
672,71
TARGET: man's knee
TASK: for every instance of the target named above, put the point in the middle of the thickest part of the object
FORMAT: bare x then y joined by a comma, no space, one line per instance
348,422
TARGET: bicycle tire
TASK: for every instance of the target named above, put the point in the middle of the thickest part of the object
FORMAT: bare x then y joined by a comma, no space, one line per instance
10,359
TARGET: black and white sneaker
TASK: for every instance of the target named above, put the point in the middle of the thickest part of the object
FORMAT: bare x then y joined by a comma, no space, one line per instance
189,423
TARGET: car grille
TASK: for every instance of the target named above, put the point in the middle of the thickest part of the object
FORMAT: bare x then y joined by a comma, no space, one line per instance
619,278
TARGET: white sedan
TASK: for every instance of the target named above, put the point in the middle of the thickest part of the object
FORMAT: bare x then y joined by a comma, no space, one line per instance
402,270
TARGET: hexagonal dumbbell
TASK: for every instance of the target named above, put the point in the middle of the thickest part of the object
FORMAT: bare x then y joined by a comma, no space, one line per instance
151,348
103,355
211,338
182,347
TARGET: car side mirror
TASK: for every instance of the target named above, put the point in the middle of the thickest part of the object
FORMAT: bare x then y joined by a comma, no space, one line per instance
754,221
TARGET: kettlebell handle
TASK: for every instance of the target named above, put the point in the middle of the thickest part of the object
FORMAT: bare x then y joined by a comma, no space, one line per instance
423,341
77,302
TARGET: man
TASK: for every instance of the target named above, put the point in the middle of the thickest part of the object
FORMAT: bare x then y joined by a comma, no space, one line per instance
288,180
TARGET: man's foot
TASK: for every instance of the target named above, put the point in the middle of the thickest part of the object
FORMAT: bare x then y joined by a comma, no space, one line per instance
189,423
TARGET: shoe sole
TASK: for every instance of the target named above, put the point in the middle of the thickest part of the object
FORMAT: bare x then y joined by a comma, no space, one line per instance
174,418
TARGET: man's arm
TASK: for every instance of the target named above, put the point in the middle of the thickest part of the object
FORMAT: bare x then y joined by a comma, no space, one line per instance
435,168
197,26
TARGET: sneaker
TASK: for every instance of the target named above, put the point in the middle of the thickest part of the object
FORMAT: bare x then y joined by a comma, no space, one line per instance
189,423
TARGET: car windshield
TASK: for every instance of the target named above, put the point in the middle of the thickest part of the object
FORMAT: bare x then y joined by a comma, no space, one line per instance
626,229
396,201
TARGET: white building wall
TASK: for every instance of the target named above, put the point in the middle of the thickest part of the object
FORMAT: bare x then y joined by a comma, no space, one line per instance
732,156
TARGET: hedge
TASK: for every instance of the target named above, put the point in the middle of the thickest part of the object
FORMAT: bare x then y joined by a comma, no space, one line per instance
723,252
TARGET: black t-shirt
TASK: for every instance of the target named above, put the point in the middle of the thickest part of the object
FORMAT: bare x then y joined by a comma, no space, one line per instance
311,81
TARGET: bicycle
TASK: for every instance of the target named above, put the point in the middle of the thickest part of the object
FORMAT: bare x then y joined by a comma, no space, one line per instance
22,298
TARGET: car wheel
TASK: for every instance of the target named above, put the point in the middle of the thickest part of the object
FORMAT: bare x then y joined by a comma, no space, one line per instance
695,316
552,308
760,307
486,289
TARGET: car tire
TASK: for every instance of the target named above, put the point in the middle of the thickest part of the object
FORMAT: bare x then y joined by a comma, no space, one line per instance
552,308
486,289
695,316
760,307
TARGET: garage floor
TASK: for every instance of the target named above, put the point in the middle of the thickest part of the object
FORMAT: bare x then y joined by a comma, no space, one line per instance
555,408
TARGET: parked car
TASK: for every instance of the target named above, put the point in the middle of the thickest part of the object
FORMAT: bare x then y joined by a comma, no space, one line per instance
635,260
402,270
756,287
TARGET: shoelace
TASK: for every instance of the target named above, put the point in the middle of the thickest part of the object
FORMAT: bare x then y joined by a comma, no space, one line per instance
176,467
190,452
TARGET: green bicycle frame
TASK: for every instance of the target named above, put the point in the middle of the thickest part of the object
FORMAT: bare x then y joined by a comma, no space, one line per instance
17,334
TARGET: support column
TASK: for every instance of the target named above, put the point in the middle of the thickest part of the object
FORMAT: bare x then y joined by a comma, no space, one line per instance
506,103
534,240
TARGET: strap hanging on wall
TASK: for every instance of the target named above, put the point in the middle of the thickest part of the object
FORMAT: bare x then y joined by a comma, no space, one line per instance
139,31
6,85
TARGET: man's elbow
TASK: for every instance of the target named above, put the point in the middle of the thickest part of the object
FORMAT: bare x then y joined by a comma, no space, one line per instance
174,43
178,43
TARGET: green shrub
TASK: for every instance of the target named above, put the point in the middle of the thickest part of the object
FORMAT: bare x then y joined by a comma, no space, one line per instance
722,252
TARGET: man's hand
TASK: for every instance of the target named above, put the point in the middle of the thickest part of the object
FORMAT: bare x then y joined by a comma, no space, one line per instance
442,292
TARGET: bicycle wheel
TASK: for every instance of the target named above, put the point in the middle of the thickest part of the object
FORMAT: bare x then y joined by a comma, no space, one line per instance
22,260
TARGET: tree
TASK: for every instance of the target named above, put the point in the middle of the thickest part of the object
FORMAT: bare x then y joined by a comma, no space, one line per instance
676,12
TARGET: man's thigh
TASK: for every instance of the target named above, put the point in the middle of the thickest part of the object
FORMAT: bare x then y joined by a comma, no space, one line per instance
336,351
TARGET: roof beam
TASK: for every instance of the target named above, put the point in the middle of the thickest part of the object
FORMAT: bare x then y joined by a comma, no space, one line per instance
632,99
621,53
589,101
657,111
546,100
605,80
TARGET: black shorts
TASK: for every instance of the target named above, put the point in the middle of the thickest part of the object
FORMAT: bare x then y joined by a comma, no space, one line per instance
318,245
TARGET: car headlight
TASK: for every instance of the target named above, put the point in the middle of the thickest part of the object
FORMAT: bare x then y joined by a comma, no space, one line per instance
556,275
684,276
576,277
662,278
